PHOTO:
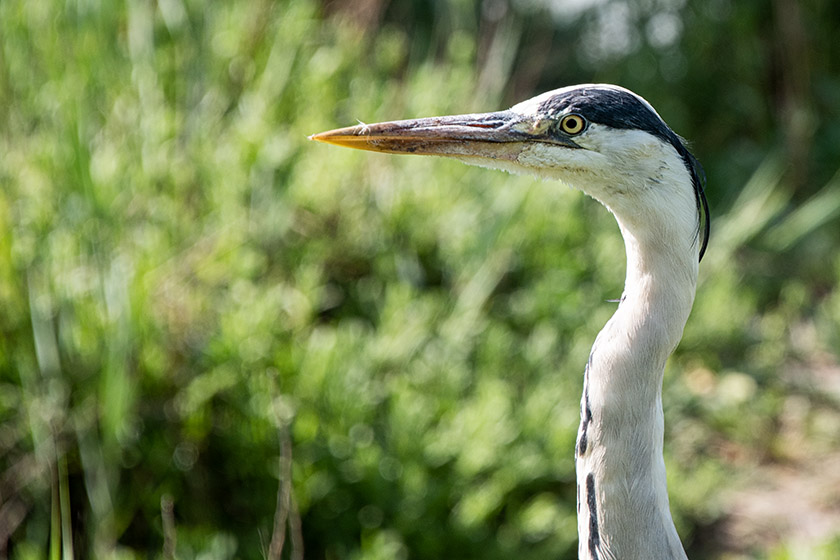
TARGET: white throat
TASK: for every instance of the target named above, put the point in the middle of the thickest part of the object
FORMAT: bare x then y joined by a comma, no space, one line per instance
623,510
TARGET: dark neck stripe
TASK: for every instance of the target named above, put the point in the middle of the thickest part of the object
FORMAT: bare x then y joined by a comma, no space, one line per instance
592,504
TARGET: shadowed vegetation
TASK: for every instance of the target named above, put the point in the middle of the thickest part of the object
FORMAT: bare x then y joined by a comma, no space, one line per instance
211,326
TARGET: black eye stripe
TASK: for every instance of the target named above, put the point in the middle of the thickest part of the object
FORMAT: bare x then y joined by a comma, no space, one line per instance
623,110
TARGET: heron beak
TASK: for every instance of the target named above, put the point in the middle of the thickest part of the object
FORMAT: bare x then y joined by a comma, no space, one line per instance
499,135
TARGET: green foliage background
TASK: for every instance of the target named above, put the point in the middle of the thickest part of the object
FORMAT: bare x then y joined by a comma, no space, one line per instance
192,293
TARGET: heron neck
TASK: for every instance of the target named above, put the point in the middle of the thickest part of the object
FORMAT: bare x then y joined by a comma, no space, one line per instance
622,493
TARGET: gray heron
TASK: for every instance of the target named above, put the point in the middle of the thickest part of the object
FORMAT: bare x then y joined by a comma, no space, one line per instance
611,144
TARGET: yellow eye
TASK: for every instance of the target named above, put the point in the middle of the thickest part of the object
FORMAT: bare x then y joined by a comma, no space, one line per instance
573,124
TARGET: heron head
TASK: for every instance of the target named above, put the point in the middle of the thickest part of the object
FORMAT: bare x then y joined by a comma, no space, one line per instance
602,139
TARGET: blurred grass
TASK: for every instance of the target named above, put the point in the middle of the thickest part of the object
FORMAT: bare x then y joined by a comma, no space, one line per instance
183,277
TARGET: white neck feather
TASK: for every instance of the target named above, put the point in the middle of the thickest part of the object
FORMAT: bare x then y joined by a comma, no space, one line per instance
622,495
623,511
